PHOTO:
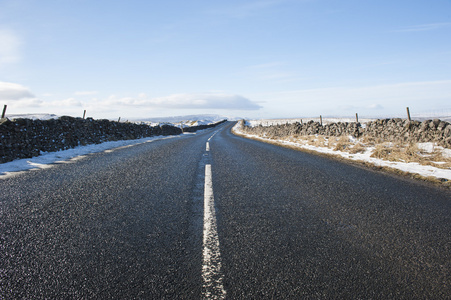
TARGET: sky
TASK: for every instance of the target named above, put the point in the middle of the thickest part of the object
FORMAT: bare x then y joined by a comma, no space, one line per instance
255,59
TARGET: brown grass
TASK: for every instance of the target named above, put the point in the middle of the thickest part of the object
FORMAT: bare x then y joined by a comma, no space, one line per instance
411,153
320,141
358,148
384,150
342,144
368,140
436,159
381,151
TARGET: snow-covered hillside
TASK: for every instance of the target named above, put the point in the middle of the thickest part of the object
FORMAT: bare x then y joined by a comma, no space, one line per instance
32,116
205,119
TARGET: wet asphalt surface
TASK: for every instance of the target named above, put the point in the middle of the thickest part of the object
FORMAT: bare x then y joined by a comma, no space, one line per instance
127,224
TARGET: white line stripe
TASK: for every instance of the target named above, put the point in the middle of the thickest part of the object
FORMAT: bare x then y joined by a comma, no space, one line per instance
208,146
211,269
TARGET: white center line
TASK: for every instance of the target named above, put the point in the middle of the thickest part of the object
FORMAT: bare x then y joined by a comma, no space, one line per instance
208,146
211,269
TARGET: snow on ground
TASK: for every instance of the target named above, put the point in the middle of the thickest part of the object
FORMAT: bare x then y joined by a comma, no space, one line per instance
188,123
177,119
32,116
431,147
412,167
49,159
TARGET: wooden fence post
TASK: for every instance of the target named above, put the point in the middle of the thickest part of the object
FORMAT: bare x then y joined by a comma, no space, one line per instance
84,114
321,120
408,114
4,111
356,117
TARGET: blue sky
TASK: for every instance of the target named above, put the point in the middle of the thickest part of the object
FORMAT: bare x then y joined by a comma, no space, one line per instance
256,59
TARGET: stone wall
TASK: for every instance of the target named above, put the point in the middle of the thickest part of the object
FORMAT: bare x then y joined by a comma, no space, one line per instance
25,138
390,130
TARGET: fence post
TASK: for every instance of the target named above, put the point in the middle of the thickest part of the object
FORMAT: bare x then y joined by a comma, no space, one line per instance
119,119
321,120
84,114
408,114
356,117
4,111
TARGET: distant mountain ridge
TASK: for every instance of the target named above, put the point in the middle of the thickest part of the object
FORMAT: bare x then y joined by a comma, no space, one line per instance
177,119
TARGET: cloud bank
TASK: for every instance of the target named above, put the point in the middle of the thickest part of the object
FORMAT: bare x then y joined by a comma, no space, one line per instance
23,100
14,92
189,101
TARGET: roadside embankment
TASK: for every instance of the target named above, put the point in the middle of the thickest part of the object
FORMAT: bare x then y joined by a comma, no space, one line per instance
420,150
25,138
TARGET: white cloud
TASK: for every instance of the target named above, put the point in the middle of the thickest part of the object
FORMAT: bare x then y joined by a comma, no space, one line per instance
209,100
187,101
9,47
65,102
17,96
424,27
13,92
375,106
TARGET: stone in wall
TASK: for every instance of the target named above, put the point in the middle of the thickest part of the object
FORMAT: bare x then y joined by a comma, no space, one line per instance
389,130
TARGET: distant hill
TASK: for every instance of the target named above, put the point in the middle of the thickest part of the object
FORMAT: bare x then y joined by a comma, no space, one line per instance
32,116
173,119
178,119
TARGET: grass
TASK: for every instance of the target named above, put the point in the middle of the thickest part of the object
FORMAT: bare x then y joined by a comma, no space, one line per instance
343,143
411,153
396,152
357,148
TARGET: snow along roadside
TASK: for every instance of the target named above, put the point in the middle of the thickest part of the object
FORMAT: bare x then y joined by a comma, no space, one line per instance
414,168
49,159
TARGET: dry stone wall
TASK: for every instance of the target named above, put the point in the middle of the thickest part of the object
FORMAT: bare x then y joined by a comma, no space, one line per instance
390,130
25,138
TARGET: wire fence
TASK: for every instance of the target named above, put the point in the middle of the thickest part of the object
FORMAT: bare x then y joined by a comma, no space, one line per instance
442,114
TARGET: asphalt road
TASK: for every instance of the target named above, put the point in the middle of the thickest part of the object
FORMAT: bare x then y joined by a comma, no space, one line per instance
130,224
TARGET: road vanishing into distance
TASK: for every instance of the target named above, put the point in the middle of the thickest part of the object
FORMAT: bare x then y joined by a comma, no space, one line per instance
212,216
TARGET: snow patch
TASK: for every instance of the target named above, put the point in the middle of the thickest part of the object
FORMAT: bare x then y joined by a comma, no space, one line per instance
411,167
49,159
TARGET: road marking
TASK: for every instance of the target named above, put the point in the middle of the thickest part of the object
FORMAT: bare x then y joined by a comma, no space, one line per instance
208,146
213,135
211,268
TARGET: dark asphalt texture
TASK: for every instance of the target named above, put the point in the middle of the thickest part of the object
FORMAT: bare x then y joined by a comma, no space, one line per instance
128,225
